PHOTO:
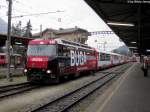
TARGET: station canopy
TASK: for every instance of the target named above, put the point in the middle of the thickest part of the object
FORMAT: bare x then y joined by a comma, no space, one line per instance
129,19
15,40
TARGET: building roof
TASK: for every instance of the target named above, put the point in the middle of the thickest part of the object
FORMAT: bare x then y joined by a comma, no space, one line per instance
3,35
62,31
47,29
70,30
14,38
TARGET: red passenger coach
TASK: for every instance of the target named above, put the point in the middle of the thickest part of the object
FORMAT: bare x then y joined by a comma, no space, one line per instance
48,60
15,59
2,59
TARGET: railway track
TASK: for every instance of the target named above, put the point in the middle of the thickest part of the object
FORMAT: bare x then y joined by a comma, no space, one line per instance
117,69
10,90
63,103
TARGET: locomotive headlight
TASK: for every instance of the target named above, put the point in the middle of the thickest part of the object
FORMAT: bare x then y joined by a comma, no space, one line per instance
25,70
48,71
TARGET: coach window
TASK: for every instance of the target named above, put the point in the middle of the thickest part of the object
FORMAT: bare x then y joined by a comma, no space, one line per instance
60,50
107,57
88,54
99,57
102,57
2,57
65,51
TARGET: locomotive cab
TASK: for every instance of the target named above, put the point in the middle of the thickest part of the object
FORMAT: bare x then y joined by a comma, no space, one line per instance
41,60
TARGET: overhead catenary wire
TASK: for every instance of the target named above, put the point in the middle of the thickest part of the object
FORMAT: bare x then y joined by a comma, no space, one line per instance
24,5
3,6
34,9
6,7
22,14
36,14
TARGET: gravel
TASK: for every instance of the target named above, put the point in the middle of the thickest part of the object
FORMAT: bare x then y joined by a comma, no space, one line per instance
84,104
41,95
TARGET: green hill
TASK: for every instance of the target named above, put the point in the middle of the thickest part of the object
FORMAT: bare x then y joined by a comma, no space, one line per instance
124,50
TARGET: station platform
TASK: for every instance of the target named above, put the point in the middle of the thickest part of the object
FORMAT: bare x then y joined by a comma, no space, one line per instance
130,93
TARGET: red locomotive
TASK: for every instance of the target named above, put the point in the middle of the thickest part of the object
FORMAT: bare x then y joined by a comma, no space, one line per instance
48,60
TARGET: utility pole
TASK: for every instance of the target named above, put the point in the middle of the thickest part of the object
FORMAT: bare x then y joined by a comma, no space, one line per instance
8,42
41,31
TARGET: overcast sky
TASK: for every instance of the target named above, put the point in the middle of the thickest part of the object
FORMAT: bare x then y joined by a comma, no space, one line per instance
74,13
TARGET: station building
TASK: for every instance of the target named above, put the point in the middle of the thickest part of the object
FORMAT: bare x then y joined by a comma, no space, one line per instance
17,49
72,34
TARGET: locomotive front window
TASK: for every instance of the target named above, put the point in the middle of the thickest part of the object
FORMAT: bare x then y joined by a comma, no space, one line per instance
41,50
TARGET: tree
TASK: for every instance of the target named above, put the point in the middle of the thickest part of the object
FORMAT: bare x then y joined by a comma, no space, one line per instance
17,29
22,31
28,30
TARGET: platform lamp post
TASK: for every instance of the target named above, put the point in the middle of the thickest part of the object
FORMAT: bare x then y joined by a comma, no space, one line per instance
8,42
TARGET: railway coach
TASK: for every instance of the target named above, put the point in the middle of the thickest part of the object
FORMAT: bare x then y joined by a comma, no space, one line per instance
49,60
108,59
2,59
15,59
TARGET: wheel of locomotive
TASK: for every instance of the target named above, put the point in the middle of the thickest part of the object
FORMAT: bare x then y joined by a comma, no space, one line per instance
57,80
77,74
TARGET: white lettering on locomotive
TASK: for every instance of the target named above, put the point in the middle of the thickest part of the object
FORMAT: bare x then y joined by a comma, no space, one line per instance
77,58
37,59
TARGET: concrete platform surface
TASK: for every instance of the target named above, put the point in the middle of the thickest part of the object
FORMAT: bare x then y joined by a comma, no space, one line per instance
131,93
